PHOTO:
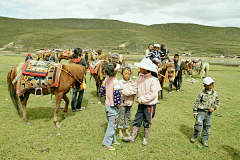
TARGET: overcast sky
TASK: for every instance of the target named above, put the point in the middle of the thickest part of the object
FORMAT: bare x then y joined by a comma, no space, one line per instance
220,13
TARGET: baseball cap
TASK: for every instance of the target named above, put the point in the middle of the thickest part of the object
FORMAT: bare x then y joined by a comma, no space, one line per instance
208,80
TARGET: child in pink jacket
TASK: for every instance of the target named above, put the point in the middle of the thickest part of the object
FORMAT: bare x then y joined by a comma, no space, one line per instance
127,101
147,86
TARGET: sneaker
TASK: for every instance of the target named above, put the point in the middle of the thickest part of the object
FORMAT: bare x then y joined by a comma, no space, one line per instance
193,140
110,148
116,143
178,90
205,144
82,108
73,110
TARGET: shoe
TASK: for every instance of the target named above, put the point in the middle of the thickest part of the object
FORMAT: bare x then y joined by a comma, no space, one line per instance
110,148
193,140
178,90
82,108
205,144
73,110
144,142
158,102
116,143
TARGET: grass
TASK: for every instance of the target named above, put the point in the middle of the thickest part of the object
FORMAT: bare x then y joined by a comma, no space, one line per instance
82,132
108,34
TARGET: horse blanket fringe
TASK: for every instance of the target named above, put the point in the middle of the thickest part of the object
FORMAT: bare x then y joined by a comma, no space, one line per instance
26,82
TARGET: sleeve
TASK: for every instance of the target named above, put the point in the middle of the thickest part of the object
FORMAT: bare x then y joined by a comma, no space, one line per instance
103,89
132,90
117,93
149,55
216,102
154,89
196,103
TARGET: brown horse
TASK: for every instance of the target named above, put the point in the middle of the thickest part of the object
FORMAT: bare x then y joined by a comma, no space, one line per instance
45,56
99,77
91,55
109,58
69,75
163,69
67,54
40,55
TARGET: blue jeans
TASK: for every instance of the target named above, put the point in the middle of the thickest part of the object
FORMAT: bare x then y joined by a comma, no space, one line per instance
79,100
112,115
203,124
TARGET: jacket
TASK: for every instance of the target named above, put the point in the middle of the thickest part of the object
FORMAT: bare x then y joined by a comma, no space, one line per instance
126,100
147,88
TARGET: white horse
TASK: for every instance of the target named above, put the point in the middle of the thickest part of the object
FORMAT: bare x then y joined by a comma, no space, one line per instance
203,66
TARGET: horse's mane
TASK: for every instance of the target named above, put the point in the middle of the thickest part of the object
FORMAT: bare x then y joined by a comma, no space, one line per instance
76,70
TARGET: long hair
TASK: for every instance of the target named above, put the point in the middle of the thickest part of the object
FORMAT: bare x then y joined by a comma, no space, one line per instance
78,51
110,69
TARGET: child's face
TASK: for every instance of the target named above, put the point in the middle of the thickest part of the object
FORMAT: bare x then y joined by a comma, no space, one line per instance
156,48
126,74
144,71
176,58
209,87
150,47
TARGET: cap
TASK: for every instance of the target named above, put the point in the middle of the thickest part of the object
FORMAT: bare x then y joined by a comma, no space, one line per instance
208,80
156,45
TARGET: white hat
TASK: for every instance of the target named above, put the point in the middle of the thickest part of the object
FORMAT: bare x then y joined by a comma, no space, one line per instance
156,45
147,64
208,80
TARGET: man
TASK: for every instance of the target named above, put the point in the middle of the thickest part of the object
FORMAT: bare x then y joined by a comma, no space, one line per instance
178,75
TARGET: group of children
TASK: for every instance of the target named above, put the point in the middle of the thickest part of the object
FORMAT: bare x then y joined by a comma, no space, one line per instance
120,98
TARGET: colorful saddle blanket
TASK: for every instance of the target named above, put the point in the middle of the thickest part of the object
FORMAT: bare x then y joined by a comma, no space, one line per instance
94,66
113,57
35,68
198,65
26,81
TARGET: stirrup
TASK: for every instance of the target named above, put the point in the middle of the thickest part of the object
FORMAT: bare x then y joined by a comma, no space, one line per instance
36,89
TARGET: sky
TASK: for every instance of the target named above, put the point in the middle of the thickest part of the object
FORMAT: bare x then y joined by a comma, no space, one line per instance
218,13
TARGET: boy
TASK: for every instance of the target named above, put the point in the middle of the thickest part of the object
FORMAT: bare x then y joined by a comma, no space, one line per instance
206,102
178,74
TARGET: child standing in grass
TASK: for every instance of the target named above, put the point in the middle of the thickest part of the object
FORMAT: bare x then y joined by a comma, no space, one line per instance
127,101
111,88
206,102
147,86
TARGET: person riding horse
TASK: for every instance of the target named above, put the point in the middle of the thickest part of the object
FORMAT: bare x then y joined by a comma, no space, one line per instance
164,53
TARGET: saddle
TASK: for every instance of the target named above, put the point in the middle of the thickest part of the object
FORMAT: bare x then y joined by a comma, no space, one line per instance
68,53
37,75
94,66
115,57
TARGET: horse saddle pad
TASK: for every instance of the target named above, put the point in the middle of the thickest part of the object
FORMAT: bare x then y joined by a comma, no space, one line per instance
67,53
35,68
94,66
114,57
26,82
197,65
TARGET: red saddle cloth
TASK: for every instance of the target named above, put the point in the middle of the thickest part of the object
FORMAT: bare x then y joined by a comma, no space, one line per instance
35,68
30,81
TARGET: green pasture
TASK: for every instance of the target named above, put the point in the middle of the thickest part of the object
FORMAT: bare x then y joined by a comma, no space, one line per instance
82,132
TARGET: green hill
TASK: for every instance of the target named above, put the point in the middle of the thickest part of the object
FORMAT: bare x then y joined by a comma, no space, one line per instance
108,34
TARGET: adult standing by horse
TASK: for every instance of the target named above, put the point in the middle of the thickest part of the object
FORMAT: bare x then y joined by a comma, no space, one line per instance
28,57
178,74
77,87
164,53
150,48
154,53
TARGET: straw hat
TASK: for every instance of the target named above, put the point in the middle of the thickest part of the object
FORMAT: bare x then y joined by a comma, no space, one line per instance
147,64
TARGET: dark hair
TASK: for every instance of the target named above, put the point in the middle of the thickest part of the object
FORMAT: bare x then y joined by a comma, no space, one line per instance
78,51
126,67
110,69
154,74
74,56
150,44
176,55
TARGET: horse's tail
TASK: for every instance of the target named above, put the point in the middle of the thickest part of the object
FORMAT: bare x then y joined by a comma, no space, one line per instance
12,90
86,58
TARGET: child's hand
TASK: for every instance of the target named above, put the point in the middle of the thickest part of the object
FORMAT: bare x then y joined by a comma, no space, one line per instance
195,116
212,109
136,101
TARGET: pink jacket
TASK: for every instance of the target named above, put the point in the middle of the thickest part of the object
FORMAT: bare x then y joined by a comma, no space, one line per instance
111,84
147,88
126,100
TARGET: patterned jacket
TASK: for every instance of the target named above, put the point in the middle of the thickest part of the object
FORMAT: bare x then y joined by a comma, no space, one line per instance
153,54
205,101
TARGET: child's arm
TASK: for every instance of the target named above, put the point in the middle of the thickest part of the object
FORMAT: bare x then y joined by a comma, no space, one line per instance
196,104
132,90
154,89
215,104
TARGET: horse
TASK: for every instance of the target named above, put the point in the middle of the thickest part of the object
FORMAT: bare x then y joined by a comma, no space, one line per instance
91,55
188,69
109,57
199,66
40,55
99,76
70,74
45,56
166,71
67,54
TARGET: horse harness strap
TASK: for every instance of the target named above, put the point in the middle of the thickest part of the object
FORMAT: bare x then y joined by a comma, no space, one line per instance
70,74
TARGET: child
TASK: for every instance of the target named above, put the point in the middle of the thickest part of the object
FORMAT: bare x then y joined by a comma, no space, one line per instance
28,57
178,74
206,102
111,88
147,86
150,48
127,101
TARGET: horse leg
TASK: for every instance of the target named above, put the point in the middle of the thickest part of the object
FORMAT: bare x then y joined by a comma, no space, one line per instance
66,105
170,87
24,99
58,98
99,100
161,82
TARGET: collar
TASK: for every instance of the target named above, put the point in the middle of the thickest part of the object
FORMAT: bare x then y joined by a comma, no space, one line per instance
124,81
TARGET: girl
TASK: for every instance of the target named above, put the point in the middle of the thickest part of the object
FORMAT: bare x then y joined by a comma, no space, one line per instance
150,48
127,101
147,86
111,88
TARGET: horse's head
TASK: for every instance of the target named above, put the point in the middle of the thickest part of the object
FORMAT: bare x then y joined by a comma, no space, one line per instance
188,67
171,72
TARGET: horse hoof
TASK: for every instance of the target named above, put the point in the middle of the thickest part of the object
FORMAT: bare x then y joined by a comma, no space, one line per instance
99,102
28,123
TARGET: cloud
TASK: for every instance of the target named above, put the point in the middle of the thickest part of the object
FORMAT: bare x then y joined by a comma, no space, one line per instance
206,12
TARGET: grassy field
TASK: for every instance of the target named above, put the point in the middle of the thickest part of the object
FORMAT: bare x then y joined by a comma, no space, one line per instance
108,34
82,132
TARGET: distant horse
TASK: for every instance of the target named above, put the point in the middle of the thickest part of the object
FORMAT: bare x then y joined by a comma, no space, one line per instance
46,56
199,66
110,57
91,55
40,55
67,54
188,69
99,77
166,72
71,73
